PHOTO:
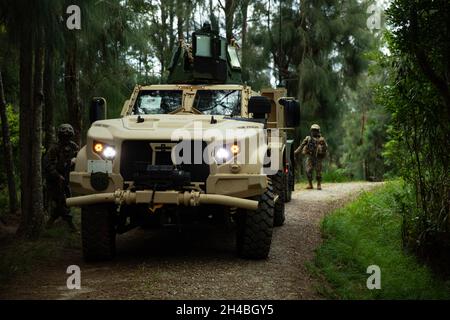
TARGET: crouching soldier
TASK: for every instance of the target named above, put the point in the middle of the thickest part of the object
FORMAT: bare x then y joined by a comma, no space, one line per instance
57,166
314,147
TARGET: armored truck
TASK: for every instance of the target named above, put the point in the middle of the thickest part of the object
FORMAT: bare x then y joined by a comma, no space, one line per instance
203,146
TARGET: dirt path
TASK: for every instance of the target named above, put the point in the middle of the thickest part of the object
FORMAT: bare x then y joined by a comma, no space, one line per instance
200,263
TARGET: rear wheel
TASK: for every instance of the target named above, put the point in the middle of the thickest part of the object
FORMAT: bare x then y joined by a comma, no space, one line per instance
98,233
279,189
254,234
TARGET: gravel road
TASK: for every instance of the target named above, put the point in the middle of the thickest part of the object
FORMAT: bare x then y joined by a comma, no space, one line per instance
199,263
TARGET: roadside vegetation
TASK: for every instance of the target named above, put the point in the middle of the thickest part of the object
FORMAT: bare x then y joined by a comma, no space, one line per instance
368,232
332,175
20,256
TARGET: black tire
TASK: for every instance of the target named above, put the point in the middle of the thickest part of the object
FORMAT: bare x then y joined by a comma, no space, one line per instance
279,188
254,232
290,185
98,233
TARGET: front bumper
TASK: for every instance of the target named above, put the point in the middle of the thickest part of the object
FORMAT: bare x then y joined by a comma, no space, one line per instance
192,198
228,184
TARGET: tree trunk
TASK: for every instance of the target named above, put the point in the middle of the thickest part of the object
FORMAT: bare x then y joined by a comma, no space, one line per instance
8,153
26,107
230,7
49,94
180,19
244,11
172,37
163,37
71,85
213,19
32,216
189,6
37,203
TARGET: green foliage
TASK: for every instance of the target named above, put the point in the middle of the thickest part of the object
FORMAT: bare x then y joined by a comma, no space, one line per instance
337,175
417,96
13,121
328,56
116,33
368,232
331,173
365,124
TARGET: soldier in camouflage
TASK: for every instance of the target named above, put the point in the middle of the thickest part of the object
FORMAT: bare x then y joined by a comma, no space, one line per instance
314,147
57,165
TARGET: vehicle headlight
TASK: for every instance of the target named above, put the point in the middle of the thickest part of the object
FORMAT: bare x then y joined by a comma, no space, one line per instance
225,153
109,153
106,151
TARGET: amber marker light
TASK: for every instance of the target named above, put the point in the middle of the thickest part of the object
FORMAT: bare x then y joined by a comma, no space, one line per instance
235,149
98,147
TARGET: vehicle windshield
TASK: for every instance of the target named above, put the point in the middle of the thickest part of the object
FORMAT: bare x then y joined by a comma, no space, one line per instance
218,102
158,102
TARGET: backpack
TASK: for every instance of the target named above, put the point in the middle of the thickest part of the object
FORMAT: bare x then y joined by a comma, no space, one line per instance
322,148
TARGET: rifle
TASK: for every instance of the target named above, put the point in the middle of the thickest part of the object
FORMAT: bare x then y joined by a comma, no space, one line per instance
313,149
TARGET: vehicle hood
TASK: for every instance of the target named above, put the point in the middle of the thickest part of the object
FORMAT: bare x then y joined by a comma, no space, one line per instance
169,127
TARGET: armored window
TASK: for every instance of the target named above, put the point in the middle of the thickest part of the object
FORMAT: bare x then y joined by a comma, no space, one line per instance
203,46
218,102
223,49
158,102
234,59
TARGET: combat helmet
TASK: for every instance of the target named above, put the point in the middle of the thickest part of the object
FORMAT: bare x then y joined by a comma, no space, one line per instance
65,131
315,127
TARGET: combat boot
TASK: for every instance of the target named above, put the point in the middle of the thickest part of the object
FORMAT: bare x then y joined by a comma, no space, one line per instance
310,185
319,185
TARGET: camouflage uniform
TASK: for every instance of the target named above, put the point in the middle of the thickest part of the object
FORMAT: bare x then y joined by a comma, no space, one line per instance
314,147
58,162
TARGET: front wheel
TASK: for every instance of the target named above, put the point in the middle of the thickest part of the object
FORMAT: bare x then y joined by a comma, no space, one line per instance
98,233
254,234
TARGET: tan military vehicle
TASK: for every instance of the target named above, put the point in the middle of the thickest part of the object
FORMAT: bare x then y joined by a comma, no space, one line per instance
202,147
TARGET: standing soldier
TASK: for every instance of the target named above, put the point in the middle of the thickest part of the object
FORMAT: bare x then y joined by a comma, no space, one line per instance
57,164
314,147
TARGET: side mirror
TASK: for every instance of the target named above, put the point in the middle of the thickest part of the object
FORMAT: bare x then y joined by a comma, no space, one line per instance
98,109
291,112
260,106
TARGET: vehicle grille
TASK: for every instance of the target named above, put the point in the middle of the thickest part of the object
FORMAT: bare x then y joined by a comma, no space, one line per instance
135,154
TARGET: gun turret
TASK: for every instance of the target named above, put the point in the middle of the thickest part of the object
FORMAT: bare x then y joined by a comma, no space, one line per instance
208,60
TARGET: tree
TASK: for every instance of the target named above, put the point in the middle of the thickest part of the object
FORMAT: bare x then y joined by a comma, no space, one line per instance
8,153
416,96
229,9
161,32
30,34
36,218
71,79
49,95
317,48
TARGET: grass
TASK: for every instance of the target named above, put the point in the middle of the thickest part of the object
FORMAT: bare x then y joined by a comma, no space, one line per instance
336,175
331,176
368,232
19,256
